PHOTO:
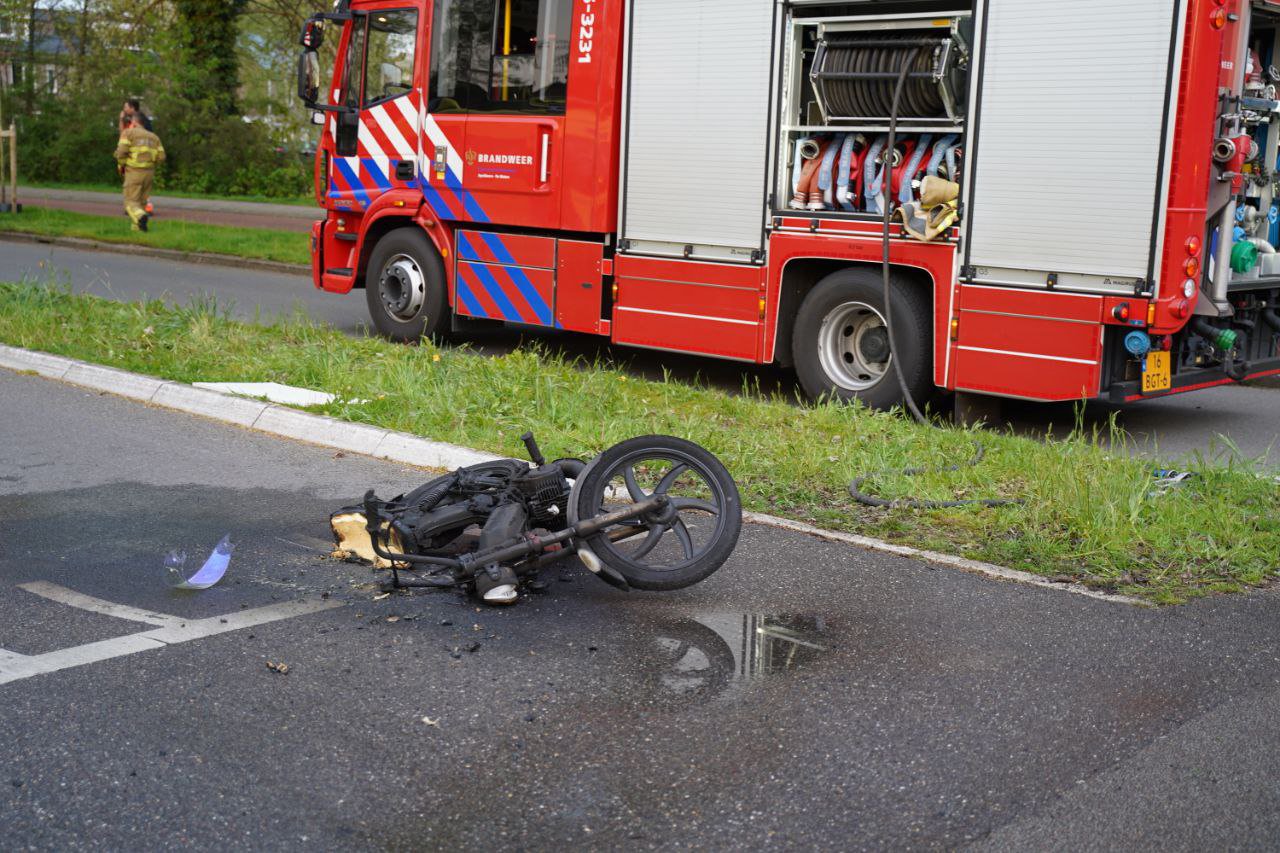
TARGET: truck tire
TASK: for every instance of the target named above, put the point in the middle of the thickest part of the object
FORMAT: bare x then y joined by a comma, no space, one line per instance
840,343
405,287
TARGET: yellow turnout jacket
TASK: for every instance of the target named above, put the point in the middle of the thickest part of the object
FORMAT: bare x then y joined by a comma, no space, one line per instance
139,148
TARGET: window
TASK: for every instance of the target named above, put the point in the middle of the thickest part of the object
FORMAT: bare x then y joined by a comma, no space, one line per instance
391,37
501,56
350,74
389,62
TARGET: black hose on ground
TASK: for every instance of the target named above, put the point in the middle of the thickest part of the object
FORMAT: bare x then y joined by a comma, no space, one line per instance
855,489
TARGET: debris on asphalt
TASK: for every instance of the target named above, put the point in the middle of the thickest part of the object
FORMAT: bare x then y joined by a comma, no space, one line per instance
382,596
210,573
393,618
282,668
435,724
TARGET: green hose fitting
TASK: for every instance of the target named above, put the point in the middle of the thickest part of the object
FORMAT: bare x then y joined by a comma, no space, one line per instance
1226,340
1223,340
1244,256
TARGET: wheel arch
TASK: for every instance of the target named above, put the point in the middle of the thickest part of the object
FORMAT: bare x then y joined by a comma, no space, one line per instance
373,233
802,274
386,222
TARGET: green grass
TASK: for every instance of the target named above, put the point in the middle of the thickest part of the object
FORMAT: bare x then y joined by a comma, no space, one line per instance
1090,514
299,201
290,247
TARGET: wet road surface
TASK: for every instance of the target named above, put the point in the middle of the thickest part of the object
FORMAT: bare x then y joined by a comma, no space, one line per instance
806,695
1171,428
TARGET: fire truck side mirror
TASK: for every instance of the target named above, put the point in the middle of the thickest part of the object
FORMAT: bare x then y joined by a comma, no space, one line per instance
308,77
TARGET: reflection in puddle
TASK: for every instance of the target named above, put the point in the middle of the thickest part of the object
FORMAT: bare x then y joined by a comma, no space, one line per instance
702,656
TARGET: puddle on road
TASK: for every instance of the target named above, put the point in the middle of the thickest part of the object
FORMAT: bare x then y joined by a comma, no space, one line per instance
703,656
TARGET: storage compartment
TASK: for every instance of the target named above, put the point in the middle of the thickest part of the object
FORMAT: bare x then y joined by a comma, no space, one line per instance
841,70
1258,216
699,87
1067,166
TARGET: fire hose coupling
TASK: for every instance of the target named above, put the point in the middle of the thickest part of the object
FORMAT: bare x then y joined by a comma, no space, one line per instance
1224,151
1224,340
1138,344
1228,150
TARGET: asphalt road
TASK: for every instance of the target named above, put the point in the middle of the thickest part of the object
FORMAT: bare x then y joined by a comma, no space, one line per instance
1171,428
807,695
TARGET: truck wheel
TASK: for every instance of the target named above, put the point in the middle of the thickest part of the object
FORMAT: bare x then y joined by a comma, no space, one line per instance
405,286
841,343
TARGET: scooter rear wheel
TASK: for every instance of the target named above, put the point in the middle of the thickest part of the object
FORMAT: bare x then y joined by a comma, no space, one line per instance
674,548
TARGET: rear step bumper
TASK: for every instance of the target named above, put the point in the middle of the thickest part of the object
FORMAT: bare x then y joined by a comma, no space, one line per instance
1191,380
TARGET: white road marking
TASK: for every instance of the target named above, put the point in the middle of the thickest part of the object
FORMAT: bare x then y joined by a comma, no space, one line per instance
197,629
172,630
61,594
76,656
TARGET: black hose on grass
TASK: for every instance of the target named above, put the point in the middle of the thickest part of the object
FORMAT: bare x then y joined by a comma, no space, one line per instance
855,489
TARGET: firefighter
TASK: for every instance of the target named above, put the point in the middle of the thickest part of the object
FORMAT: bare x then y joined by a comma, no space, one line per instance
133,107
138,152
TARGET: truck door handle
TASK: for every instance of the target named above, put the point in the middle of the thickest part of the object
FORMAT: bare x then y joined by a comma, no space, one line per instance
544,173
405,170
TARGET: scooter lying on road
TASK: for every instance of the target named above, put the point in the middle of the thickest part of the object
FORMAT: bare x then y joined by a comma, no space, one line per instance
652,513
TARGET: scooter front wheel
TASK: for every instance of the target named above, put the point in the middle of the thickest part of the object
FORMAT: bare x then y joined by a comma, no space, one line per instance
674,547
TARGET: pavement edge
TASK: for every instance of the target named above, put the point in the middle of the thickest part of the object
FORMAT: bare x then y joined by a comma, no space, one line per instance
409,449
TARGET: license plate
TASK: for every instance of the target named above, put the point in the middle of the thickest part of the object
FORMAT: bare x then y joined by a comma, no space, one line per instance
1157,376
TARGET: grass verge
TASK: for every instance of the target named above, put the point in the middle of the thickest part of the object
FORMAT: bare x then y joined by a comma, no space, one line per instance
286,246
1090,515
114,189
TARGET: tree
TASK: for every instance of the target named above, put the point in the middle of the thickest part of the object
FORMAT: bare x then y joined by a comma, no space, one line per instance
208,30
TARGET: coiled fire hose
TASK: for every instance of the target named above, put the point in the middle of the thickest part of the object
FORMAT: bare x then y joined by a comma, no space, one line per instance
855,488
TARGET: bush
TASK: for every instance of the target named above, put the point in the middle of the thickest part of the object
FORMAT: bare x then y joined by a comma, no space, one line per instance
71,139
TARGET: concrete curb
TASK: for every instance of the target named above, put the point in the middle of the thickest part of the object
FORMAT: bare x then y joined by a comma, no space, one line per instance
412,450
152,252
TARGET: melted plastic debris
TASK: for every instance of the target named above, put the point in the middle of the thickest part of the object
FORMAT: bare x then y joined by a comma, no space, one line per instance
210,573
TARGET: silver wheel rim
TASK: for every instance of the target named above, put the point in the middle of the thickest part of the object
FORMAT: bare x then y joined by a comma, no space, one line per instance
853,346
402,288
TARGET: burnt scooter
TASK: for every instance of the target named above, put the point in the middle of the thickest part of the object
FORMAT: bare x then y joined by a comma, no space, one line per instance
652,513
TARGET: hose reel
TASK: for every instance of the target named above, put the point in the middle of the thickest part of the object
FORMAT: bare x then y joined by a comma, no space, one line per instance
854,75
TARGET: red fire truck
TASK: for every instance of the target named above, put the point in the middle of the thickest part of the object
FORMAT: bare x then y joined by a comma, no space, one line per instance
1083,191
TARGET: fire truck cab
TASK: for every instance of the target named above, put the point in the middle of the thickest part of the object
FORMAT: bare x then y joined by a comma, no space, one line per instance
1082,193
